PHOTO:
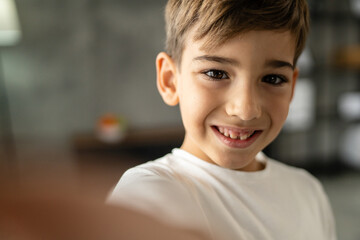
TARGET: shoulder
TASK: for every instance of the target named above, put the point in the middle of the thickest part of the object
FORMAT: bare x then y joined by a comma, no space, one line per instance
157,174
298,178
165,168
308,191
303,186
155,183
156,188
291,172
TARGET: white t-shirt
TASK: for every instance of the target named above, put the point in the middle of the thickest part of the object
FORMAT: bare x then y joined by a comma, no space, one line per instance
279,202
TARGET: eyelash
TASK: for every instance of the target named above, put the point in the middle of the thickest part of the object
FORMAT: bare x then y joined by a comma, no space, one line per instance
213,74
273,79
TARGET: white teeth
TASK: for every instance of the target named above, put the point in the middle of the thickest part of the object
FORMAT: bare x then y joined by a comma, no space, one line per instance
233,136
244,137
221,129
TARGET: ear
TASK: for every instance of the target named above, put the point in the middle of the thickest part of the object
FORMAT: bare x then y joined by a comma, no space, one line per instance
166,79
295,76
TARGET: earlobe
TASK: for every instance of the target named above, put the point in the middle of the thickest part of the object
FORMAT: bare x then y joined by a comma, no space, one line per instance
295,76
166,79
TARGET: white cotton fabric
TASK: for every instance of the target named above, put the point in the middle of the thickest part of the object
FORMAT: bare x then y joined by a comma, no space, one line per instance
279,202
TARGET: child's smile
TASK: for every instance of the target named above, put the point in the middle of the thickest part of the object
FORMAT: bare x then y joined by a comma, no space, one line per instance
236,137
234,98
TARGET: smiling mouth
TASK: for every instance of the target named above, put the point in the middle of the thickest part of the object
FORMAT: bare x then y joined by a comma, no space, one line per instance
236,134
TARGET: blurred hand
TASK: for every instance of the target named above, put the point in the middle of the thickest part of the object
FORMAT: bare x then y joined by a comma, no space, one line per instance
55,211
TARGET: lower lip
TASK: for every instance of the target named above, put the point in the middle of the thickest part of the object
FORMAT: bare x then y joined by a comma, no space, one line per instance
236,143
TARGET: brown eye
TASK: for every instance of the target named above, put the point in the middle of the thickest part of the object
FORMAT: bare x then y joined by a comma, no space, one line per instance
216,74
274,79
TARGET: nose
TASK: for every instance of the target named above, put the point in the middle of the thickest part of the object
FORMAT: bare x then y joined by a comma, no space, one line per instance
244,103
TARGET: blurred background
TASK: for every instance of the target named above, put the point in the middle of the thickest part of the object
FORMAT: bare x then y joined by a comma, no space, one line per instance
78,93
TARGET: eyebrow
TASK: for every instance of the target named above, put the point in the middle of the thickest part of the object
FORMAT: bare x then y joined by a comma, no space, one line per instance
279,64
217,59
270,63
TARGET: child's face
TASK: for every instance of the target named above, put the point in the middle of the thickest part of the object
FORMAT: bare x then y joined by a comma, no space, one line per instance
235,98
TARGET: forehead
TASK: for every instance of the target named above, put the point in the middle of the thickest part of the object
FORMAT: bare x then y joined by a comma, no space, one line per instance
250,46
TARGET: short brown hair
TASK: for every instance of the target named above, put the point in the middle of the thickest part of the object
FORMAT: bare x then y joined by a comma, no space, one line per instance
224,19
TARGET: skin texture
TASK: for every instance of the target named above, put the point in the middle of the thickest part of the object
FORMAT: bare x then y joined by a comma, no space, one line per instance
244,85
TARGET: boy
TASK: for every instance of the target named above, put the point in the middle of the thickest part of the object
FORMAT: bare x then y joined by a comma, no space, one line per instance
230,65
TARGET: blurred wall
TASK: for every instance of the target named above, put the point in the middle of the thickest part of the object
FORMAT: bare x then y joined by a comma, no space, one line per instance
79,59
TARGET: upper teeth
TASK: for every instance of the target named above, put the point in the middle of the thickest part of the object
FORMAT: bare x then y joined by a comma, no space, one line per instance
243,135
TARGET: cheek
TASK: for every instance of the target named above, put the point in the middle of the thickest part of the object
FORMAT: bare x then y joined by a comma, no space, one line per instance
278,110
196,103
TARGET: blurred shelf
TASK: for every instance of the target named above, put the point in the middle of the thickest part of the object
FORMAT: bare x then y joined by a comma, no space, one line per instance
134,139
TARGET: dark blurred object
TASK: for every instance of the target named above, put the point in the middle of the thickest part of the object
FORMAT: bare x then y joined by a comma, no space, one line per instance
146,144
7,145
9,35
348,57
48,207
